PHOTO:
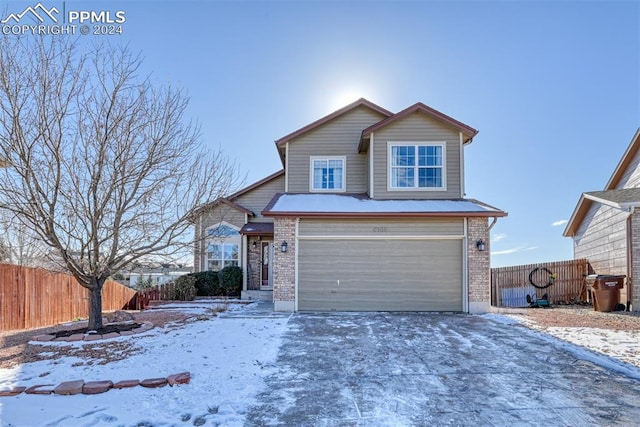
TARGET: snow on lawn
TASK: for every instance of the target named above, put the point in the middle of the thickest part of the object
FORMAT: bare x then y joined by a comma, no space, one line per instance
604,347
621,345
228,357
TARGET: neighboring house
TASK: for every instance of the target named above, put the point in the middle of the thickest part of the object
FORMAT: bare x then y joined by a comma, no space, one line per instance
605,225
368,214
149,272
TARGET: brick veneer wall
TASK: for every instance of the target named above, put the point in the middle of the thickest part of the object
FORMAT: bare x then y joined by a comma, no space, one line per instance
284,264
479,266
635,259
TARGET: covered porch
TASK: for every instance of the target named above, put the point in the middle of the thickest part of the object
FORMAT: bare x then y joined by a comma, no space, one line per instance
258,268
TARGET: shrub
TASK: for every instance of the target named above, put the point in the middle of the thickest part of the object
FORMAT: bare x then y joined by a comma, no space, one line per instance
207,283
185,288
231,280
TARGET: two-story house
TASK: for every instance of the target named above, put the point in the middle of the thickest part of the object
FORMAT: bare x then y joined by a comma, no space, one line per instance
368,214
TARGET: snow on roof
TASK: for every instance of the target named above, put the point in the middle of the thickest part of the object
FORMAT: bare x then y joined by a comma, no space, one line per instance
350,204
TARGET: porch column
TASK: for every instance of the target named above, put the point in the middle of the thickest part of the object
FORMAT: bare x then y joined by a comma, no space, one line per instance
635,260
284,264
478,266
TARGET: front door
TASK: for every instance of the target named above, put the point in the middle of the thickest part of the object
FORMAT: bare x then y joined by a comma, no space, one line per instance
266,273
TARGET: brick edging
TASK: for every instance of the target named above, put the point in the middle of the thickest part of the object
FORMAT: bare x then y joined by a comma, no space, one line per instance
69,388
144,327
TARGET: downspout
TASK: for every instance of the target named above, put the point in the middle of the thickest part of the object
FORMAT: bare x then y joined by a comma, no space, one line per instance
630,277
495,219
286,168
462,193
295,263
629,262
371,160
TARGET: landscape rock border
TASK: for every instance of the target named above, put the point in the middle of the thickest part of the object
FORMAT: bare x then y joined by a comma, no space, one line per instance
70,388
144,327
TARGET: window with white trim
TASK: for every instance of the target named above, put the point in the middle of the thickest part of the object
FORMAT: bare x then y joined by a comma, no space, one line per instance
223,247
328,173
417,166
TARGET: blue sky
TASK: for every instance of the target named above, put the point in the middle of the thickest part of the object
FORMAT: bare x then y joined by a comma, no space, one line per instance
553,87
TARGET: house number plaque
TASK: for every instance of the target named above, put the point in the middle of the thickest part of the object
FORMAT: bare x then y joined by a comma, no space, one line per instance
379,229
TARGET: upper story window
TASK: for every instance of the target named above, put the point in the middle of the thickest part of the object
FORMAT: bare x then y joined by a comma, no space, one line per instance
222,248
328,173
417,166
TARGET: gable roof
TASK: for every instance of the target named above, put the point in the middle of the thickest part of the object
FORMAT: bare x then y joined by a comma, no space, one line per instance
360,205
229,199
255,185
421,108
280,143
217,202
359,103
621,198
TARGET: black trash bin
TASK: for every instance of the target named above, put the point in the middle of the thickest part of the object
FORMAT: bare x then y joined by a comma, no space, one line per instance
605,290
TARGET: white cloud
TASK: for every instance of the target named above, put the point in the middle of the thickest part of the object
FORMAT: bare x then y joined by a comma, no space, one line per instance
499,236
514,250
559,223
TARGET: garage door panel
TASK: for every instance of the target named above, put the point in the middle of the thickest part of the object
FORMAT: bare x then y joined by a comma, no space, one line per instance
380,275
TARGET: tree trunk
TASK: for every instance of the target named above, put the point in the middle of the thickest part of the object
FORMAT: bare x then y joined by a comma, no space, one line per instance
95,305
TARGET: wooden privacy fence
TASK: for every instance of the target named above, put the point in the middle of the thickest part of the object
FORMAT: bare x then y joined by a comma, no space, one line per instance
164,292
32,297
511,285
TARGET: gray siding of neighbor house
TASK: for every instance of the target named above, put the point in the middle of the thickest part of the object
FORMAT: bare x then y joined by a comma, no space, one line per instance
417,128
212,217
258,198
339,137
602,239
631,177
602,236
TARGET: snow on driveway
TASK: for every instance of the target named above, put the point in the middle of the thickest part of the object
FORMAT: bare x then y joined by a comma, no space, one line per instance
251,367
406,369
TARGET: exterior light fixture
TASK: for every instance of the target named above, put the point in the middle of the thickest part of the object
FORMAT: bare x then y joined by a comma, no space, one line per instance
480,245
255,244
283,247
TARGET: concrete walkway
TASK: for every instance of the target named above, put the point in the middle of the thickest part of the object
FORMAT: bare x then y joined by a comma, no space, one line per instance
382,369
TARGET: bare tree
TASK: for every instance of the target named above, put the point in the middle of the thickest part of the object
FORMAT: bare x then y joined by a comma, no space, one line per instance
19,245
102,164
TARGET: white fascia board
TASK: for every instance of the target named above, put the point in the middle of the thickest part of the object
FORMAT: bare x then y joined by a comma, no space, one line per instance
602,201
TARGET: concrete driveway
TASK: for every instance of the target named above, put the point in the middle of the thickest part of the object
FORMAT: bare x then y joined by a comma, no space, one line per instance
396,369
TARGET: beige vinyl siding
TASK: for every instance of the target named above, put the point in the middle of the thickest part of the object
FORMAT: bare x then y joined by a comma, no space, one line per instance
220,213
258,198
380,228
381,275
339,137
417,128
